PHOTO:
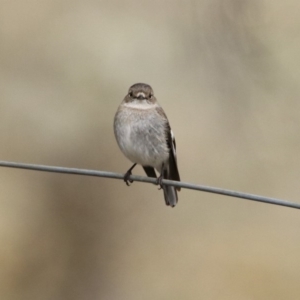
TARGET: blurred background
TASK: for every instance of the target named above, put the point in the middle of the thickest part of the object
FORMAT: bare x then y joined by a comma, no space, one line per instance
227,73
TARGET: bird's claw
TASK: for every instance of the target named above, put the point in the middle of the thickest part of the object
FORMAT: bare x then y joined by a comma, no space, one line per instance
159,182
126,178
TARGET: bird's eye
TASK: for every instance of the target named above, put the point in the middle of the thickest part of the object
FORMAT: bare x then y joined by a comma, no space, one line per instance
131,94
150,96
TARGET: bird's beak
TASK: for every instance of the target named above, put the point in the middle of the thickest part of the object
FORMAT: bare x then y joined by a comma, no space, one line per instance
141,96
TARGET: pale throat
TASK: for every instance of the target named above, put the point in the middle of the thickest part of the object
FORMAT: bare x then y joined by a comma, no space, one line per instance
140,104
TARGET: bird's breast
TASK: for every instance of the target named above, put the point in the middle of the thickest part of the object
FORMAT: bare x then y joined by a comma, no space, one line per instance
141,135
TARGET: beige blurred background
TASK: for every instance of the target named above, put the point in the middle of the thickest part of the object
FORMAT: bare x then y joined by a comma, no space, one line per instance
228,75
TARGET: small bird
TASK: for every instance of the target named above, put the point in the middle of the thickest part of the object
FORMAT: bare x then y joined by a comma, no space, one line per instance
145,137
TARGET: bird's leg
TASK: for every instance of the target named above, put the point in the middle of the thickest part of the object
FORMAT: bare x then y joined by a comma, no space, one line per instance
127,174
160,178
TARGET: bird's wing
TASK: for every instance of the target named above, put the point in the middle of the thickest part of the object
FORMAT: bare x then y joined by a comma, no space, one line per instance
170,138
150,171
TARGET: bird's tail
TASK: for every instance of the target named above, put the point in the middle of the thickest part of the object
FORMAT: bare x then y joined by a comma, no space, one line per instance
170,195
170,192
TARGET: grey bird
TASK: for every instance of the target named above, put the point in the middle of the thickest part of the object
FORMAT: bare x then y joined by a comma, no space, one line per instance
144,135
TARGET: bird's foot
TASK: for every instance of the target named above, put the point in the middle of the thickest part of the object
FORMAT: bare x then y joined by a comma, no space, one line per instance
159,181
126,178
127,175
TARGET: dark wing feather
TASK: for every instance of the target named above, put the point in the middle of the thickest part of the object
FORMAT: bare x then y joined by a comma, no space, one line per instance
173,174
150,171
173,169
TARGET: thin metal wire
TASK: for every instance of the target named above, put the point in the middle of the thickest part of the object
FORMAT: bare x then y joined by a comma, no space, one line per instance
181,184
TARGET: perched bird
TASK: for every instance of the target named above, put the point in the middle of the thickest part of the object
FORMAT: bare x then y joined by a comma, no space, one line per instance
144,135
